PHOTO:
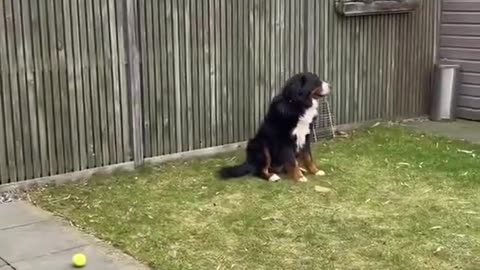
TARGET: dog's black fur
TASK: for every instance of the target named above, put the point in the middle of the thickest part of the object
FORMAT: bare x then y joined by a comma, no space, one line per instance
274,146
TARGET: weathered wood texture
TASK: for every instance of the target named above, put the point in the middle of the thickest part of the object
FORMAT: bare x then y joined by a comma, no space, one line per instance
63,87
207,70
380,66
210,67
134,89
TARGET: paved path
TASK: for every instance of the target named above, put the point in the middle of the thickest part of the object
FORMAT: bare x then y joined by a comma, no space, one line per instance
32,239
459,129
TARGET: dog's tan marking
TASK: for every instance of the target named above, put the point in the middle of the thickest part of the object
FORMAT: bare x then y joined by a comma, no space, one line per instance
295,173
306,159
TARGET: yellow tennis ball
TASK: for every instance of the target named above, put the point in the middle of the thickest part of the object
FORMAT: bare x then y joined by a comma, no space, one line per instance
79,260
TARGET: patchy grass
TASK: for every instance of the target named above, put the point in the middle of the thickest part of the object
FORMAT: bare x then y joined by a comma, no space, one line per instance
399,200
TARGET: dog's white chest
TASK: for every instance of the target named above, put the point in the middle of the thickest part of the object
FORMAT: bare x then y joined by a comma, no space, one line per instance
303,126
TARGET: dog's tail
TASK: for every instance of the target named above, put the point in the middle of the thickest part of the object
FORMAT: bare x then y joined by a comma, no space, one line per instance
236,171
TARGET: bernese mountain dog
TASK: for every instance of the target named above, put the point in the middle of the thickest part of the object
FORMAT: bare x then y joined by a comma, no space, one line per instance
282,143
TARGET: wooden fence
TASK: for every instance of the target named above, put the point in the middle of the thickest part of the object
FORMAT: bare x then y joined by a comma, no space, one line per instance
92,83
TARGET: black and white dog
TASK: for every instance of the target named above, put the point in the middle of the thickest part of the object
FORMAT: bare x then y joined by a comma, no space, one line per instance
282,143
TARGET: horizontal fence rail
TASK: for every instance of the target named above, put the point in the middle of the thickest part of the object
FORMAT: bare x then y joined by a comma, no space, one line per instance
75,96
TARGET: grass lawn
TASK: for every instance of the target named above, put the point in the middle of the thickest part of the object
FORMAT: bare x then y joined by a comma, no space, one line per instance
399,200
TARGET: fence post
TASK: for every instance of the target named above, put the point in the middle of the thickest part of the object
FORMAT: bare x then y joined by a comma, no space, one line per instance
135,94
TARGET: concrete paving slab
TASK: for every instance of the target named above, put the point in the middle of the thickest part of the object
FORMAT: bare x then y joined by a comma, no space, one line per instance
34,240
459,129
38,240
18,214
97,258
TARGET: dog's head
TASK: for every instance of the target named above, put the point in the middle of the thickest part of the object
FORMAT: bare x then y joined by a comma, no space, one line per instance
303,88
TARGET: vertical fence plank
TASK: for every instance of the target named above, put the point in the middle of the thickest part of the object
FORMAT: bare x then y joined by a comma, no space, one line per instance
170,77
125,126
39,103
264,54
224,71
269,32
3,152
256,62
87,84
206,74
213,53
102,84
251,61
22,93
239,98
62,47
369,105
30,98
161,89
195,73
23,90
9,163
234,89
200,34
218,73
94,84
179,65
134,81
114,67
55,97
243,80
383,66
70,91
164,90
181,109
276,43
142,15
15,105
188,74
78,109
109,103
229,108
154,91
46,67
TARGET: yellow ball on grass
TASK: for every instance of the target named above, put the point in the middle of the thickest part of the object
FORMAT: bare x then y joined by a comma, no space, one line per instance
79,260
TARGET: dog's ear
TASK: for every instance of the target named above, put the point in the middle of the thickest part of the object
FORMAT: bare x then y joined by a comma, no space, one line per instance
303,79
288,91
293,85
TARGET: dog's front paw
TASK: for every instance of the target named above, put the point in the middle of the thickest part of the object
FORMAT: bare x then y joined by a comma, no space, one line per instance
320,173
303,179
274,178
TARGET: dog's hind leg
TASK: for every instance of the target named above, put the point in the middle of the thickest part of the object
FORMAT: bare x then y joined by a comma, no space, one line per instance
266,171
292,167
